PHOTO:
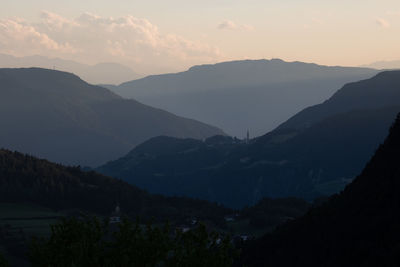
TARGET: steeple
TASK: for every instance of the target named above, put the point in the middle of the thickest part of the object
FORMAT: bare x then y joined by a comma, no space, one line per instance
117,209
248,137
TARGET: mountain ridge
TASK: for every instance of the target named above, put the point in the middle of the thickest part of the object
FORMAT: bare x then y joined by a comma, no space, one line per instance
56,115
249,94
351,97
358,227
100,73
305,162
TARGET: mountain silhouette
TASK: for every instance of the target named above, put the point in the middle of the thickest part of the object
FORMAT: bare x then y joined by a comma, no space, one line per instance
57,116
379,92
384,65
101,73
252,94
358,227
26,179
317,152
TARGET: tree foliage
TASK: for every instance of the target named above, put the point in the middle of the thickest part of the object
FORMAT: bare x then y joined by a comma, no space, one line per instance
3,262
25,178
90,242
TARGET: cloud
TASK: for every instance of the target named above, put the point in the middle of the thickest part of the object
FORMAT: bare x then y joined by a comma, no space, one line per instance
230,25
93,38
17,35
382,23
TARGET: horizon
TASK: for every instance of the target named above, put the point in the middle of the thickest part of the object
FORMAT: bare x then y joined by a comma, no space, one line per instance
367,66
200,133
178,34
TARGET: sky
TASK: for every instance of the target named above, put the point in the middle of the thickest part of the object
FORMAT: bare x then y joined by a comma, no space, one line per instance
156,36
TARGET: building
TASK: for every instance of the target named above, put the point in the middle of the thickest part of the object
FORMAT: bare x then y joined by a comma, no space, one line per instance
116,215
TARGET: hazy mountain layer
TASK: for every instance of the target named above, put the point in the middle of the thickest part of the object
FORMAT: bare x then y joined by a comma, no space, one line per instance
384,65
381,91
102,73
236,96
57,116
330,147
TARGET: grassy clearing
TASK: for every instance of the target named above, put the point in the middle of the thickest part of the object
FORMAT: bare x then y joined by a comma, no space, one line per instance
31,219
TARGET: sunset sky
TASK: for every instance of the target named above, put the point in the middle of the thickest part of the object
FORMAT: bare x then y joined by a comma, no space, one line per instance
155,36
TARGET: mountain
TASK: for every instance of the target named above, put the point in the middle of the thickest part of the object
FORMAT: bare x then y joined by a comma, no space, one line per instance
317,152
379,92
36,193
101,73
384,65
254,94
26,179
358,227
57,116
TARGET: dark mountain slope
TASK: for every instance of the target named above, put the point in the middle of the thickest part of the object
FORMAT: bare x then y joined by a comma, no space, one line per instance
381,91
25,179
58,116
359,227
173,166
306,162
336,147
35,193
240,95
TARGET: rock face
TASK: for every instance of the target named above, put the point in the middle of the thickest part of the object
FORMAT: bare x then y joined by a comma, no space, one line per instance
56,115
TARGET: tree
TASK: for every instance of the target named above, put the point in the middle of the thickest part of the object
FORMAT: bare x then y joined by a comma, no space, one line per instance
3,262
90,242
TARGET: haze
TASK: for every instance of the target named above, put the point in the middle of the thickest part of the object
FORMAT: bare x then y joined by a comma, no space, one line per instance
158,36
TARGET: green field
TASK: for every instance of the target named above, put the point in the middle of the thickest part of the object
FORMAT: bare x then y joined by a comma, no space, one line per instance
29,218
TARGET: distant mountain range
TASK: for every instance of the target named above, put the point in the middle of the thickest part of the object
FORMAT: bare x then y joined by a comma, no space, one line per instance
316,152
358,227
57,116
384,65
102,73
253,94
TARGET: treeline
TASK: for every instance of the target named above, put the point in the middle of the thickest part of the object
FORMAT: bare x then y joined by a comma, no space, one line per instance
268,213
27,179
88,241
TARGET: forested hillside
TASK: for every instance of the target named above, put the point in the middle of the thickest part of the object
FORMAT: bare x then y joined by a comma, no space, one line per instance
358,227
27,179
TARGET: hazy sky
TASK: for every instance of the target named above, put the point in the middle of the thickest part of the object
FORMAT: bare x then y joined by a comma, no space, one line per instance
168,35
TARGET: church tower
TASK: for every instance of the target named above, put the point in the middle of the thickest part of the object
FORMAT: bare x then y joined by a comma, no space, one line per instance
116,215
248,137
